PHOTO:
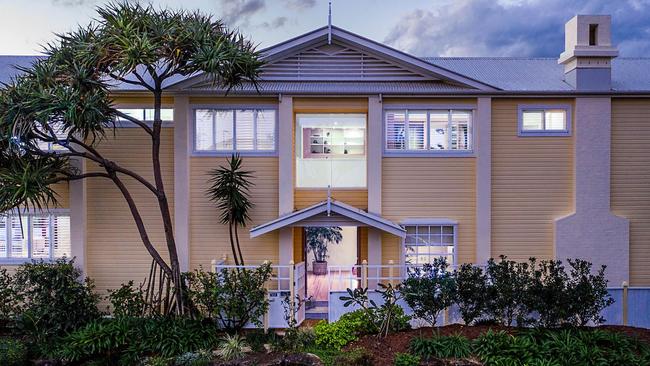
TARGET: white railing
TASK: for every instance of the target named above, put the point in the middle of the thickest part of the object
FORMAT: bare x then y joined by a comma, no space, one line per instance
286,280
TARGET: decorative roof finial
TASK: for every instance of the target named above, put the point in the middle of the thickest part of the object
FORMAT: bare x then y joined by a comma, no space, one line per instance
329,24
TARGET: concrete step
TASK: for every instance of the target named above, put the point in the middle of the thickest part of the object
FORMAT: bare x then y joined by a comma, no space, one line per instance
316,316
315,304
317,309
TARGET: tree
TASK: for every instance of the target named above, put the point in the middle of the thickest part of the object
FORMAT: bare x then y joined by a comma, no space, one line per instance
64,101
430,290
318,238
229,189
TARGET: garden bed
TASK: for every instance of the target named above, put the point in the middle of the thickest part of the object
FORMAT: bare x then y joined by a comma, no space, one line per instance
383,350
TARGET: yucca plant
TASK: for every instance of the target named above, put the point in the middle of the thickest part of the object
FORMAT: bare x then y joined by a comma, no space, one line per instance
230,190
232,347
60,108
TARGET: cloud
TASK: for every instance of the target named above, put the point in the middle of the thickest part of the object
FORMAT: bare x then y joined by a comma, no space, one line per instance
73,2
239,11
300,4
276,23
514,27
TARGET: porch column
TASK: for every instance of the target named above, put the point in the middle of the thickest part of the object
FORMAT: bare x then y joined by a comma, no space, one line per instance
78,216
375,153
593,232
182,149
483,148
285,184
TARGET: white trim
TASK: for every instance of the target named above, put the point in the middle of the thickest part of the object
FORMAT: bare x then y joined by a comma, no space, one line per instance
340,208
234,108
182,171
483,184
521,108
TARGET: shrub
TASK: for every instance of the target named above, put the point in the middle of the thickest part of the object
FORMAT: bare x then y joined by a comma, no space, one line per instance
405,359
355,357
54,300
335,335
233,298
13,352
588,293
200,358
9,303
389,317
232,347
508,283
471,289
454,346
297,340
430,290
127,301
127,339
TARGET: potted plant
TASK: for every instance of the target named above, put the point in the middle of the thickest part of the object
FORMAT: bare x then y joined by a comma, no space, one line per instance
317,240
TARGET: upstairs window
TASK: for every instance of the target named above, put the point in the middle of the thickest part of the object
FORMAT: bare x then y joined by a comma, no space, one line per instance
230,130
544,120
34,236
428,130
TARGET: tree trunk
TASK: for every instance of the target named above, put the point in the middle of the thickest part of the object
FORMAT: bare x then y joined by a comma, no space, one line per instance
232,244
241,257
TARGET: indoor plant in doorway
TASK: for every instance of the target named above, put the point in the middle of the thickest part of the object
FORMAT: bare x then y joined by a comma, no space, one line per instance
317,239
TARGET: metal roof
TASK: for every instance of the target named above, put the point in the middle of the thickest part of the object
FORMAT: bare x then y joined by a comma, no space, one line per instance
505,73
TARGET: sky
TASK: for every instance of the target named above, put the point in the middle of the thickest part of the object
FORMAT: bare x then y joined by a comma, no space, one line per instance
516,28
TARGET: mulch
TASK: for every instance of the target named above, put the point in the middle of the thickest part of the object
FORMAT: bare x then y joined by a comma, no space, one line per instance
384,350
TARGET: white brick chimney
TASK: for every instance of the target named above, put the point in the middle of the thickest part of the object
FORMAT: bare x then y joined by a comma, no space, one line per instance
588,52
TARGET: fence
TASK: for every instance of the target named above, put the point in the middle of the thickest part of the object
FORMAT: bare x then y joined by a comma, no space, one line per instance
286,280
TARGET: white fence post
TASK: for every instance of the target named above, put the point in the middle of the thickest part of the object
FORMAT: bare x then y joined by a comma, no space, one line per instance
391,263
292,290
364,274
625,304
214,265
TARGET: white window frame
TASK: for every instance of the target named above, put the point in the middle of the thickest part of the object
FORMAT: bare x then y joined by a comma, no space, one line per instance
428,152
234,150
522,108
430,222
8,259
123,123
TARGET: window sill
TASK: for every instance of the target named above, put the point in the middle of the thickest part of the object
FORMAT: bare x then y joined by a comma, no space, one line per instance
21,261
429,154
241,153
544,134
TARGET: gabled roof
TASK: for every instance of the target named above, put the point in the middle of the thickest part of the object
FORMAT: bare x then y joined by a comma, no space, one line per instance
328,207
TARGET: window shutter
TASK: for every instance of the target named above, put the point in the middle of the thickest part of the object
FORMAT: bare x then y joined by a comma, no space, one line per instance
61,236
19,236
40,238
438,130
3,236
460,127
245,121
417,130
204,139
395,130
555,120
224,130
533,120
265,130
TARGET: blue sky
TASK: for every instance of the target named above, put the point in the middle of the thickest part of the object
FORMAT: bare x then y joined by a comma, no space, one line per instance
423,28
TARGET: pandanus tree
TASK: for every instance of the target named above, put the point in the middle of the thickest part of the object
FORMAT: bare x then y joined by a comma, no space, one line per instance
61,107
230,190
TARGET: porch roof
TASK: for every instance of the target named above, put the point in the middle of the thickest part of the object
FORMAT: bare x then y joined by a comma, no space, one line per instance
328,207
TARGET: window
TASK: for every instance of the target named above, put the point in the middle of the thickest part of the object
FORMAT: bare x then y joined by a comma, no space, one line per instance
432,130
423,243
228,130
34,236
544,120
146,114
59,132
593,34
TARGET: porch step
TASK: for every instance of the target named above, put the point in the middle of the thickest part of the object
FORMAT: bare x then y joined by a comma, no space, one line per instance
317,310
316,316
316,304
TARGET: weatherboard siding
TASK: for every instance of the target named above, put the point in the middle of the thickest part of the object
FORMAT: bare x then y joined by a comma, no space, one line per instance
630,179
209,239
114,252
430,188
532,184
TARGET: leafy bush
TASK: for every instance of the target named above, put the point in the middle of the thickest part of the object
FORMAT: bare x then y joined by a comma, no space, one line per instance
383,319
233,298
355,357
338,334
471,288
53,300
200,358
405,359
9,303
589,295
232,347
454,346
127,301
296,340
508,283
127,339
12,352
430,290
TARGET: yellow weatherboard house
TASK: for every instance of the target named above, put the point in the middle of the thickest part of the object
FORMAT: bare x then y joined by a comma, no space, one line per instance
413,158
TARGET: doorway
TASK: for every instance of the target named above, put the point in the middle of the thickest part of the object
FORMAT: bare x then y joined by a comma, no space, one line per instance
335,247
